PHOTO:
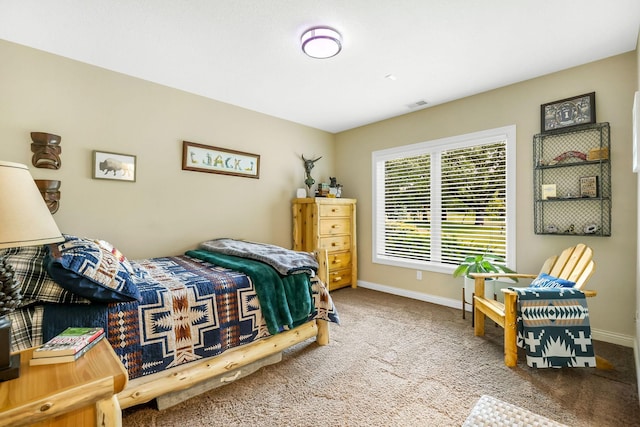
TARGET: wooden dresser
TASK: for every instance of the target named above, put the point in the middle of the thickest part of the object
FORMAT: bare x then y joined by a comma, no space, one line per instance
329,223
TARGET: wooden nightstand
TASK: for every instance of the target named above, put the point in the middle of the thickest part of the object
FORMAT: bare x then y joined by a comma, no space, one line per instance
80,393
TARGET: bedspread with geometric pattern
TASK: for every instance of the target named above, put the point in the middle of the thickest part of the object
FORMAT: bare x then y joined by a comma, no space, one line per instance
190,310
553,327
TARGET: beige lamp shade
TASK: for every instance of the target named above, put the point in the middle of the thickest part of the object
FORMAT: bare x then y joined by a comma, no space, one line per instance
25,219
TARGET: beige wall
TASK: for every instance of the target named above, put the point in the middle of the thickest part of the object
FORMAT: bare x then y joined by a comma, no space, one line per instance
167,210
614,80
637,313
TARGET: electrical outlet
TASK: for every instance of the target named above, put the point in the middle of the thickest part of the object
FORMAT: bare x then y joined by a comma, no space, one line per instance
419,275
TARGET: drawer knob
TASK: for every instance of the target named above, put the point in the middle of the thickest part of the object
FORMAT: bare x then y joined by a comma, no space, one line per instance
334,244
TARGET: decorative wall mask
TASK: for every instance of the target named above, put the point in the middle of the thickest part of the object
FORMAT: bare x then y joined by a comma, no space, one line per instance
50,191
46,150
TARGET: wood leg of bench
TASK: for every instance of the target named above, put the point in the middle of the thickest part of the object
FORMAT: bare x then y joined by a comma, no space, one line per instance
478,322
510,330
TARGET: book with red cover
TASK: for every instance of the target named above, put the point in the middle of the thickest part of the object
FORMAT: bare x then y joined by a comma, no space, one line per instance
68,342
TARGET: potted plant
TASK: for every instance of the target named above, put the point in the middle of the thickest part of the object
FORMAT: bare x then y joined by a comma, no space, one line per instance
482,263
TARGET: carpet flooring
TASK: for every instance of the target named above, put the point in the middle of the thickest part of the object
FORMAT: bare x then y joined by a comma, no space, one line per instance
400,362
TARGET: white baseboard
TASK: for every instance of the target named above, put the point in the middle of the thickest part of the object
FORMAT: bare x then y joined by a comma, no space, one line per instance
597,334
447,302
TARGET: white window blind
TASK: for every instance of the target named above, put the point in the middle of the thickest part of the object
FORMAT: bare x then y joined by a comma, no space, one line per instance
437,202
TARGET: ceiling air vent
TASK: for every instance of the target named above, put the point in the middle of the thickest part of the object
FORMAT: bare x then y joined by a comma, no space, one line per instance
418,104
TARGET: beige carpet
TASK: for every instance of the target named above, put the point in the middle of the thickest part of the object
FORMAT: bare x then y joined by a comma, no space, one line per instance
400,362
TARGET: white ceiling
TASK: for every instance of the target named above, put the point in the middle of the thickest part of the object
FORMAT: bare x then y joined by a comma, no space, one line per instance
246,52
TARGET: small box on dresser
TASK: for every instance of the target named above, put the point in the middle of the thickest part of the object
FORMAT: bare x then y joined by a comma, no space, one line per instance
329,223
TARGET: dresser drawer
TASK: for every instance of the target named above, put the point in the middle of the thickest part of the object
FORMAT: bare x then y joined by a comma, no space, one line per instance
339,278
335,210
338,243
331,226
339,260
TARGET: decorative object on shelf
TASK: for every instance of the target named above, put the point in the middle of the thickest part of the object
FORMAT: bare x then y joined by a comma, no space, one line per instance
24,221
115,166
589,186
50,191
636,131
551,229
548,191
598,154
46,150
574,111
590,229
335,189
571,229
205,158
301,193
308,165
568,155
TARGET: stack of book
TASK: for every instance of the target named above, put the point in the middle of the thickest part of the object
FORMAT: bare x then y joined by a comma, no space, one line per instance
322,190
67,346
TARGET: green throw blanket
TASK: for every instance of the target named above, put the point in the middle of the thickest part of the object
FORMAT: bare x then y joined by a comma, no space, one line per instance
284,300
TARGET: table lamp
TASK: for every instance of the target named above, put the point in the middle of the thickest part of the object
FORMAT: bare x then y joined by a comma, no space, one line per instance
25,220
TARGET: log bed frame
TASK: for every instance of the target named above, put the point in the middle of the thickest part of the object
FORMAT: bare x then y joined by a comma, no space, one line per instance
185,381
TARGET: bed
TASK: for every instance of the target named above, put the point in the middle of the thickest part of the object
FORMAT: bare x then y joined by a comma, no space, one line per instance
189,322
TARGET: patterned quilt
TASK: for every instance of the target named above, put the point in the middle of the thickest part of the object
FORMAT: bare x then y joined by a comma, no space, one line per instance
553,327
190,310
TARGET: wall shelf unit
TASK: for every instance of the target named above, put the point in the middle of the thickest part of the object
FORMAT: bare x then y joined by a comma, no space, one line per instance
572,181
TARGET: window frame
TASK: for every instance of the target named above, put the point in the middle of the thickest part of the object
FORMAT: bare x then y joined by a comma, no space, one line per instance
506,133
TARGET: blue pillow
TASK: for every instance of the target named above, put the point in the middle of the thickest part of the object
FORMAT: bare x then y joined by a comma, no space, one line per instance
545,281
93,269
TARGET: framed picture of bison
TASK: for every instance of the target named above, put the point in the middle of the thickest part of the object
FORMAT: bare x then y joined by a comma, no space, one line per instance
114,166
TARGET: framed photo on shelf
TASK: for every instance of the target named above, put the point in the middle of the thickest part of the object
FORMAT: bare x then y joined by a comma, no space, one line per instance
589,186
574,111
204,158
548,191
114,166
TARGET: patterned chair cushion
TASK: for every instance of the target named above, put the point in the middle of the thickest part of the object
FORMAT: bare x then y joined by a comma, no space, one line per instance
36,285
93,269
546,281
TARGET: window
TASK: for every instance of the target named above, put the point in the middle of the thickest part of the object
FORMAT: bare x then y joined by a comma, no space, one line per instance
436,202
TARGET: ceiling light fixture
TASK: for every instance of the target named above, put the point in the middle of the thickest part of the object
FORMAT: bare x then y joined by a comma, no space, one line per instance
321,42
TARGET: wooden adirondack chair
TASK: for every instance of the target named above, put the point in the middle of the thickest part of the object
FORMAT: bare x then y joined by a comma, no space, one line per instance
574,264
